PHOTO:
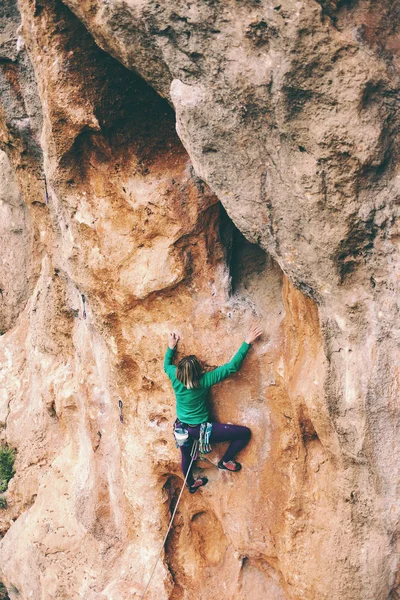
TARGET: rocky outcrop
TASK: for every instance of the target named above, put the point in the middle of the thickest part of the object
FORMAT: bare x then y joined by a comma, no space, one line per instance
276,200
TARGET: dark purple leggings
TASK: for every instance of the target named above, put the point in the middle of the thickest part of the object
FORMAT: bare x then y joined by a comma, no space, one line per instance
236,434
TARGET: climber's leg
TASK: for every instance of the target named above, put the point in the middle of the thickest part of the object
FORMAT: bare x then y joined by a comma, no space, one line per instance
185,462
194,433
238,435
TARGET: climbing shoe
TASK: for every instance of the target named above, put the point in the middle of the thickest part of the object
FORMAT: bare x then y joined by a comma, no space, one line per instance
230,465
193,488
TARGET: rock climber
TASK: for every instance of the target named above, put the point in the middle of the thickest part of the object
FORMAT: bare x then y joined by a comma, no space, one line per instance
191,385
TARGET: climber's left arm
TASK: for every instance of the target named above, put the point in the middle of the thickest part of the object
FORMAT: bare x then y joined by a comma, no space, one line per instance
169,367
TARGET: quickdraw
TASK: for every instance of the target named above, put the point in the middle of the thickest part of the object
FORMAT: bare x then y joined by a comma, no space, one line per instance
205,435
45,187
83,306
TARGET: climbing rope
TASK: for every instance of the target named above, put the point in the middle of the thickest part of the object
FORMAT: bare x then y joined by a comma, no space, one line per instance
193,455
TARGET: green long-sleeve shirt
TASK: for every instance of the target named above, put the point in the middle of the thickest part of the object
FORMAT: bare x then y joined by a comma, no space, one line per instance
191,404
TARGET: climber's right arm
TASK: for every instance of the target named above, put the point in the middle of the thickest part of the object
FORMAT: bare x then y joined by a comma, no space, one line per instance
212,377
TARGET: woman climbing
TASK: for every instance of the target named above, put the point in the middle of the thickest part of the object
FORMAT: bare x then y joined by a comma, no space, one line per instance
191,386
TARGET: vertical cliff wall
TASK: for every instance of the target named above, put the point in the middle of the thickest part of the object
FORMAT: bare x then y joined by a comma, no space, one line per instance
199,166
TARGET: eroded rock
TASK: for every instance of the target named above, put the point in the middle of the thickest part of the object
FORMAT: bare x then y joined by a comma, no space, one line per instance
288,112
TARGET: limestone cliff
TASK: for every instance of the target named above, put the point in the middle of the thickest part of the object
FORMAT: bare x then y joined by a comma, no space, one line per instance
198,166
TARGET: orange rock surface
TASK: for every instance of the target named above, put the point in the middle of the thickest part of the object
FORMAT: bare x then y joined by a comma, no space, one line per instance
130,243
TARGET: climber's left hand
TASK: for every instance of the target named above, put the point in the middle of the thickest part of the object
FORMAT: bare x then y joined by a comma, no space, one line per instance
173,339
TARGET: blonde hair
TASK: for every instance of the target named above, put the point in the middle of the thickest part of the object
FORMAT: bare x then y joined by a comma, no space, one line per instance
189,371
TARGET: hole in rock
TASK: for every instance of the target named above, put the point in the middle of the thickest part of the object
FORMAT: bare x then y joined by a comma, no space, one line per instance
208,538
196,541
243,258
306,426
51,409
254,276
209,150
172,487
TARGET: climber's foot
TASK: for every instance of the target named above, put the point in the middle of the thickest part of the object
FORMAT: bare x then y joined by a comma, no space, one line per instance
197,484
229,465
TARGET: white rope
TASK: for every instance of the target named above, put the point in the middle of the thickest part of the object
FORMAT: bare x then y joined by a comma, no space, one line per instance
193,454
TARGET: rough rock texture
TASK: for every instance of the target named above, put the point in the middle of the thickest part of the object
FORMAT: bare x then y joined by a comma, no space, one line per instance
112,232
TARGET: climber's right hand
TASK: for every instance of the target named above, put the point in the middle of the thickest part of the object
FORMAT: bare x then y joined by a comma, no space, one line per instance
173,339
253,334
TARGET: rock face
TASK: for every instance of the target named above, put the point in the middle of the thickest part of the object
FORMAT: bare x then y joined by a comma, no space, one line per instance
199,166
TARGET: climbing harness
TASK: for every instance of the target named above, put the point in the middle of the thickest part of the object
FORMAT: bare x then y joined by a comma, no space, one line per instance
205,435
121,417
181,435
83,306
193,454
